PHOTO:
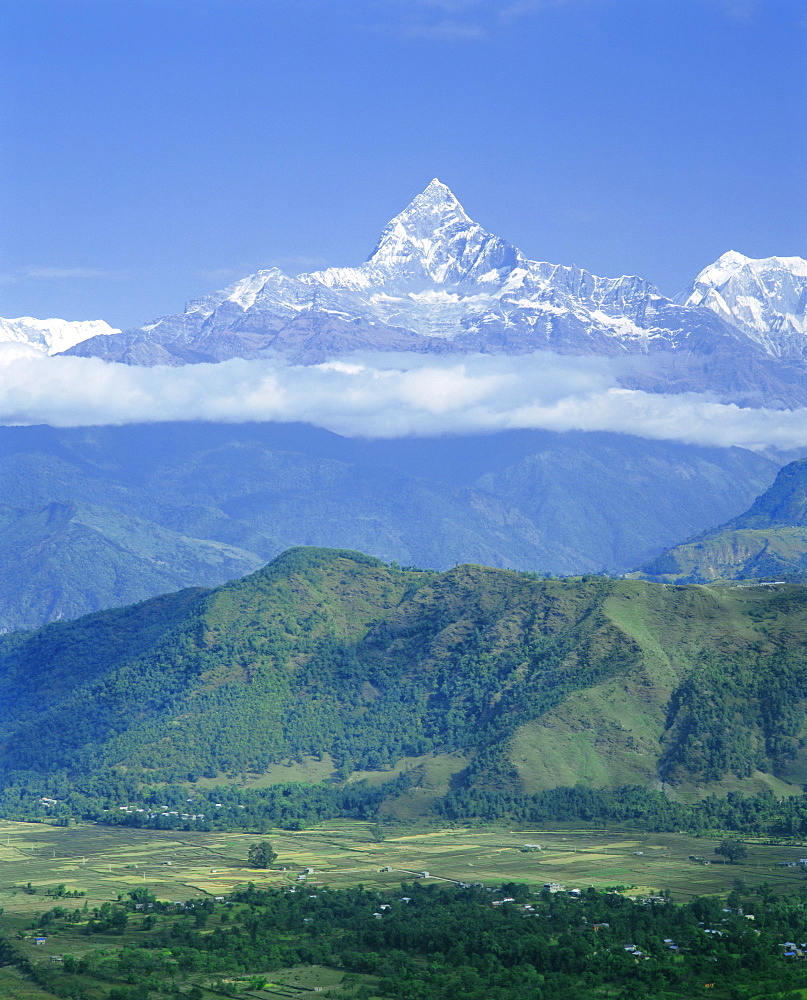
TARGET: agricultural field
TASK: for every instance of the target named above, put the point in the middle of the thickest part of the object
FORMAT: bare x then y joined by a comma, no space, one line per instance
105,861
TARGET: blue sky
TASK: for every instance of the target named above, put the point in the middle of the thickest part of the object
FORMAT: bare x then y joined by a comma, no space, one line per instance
153,150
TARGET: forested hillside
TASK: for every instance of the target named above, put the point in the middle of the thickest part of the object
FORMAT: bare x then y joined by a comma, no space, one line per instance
768,540
473,680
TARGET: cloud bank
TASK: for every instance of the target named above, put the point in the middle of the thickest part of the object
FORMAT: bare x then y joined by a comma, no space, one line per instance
381,396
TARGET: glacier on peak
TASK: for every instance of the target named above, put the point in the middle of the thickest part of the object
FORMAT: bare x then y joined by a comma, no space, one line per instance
434,245
433,240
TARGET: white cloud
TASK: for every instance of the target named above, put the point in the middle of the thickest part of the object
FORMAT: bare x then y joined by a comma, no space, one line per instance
380,396
738,10
452,6
521,8
468,20
309,263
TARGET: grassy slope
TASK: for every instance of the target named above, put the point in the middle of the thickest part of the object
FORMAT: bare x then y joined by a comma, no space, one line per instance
614,732
610,734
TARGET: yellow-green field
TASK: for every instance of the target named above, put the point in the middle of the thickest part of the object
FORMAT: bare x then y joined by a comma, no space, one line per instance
105,861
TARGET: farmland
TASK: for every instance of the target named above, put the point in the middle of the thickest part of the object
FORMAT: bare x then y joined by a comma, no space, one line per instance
108,863
104,861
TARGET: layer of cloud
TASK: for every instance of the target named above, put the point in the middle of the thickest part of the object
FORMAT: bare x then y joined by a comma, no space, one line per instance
380,396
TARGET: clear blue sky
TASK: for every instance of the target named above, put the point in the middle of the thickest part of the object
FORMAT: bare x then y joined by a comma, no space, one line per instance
153,150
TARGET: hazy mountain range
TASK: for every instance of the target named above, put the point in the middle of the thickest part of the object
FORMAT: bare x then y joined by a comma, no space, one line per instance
97,517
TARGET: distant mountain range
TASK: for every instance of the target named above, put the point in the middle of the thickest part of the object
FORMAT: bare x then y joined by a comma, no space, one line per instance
97,517
437,282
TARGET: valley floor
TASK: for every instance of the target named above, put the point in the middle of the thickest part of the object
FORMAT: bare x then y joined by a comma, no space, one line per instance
43,866
104,861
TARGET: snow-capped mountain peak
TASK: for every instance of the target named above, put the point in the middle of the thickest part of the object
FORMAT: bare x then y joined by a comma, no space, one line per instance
243,292
765,298
437,272
729,264
434,210
438,282
434,239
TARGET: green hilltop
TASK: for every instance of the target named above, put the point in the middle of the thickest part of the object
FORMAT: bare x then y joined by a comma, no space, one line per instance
474,678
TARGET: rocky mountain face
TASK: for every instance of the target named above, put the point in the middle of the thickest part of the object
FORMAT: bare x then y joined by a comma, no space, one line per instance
437,282
768,540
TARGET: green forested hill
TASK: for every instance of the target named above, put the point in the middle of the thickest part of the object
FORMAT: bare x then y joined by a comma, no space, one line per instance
510,681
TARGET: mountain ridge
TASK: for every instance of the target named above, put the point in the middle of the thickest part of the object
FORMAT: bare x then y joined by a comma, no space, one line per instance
767,540
145,509
438,282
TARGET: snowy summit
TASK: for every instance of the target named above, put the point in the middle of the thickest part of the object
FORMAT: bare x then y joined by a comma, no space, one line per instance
51,336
